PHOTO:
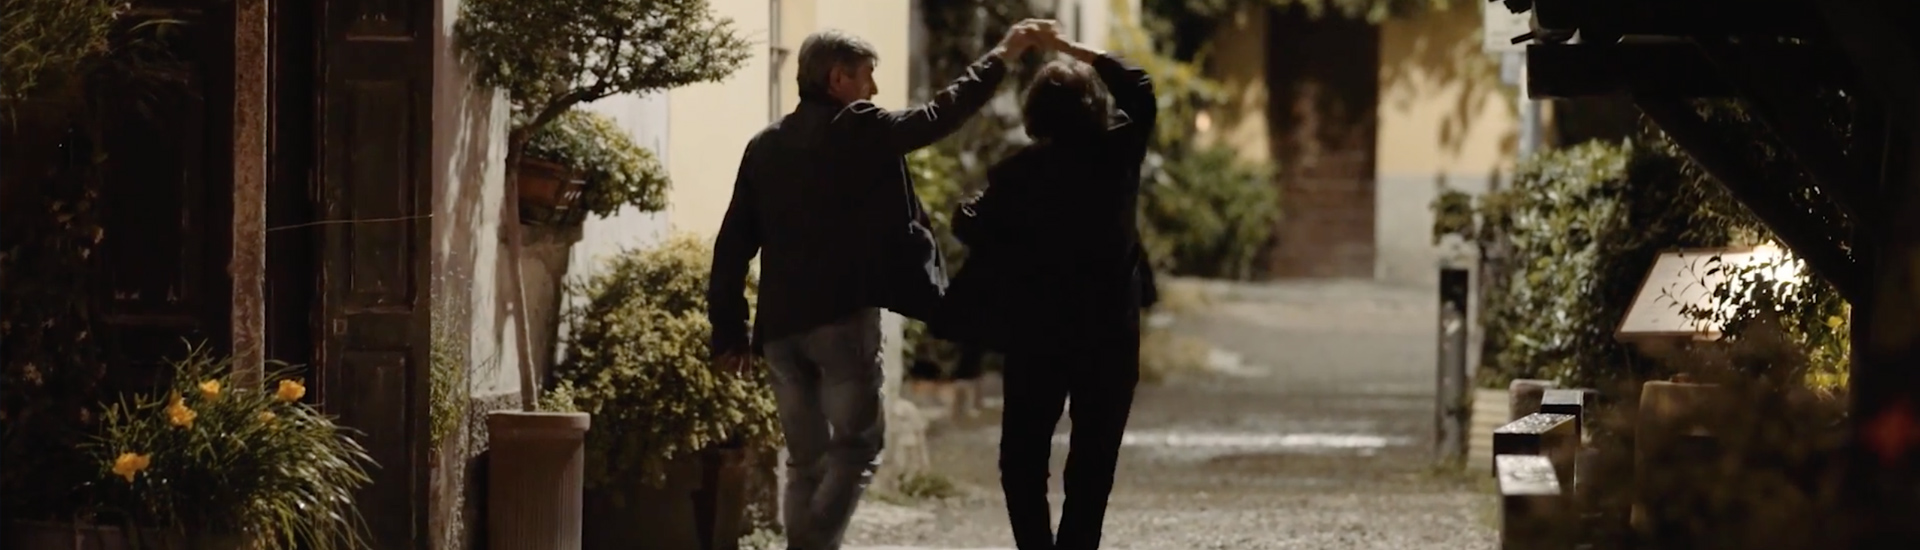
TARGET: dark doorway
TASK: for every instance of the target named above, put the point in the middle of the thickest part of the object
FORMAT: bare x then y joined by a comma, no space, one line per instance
166,199
292,238
1321,112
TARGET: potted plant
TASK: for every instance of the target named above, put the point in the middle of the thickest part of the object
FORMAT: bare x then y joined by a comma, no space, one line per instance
666,459
209,463
584,163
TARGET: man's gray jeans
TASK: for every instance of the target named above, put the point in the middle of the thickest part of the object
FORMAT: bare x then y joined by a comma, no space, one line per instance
828,381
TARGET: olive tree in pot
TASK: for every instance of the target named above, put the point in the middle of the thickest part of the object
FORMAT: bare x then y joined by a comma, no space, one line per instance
666,462
550,56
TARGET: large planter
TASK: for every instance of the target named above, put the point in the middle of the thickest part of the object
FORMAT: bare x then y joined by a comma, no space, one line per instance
550,193
702,506
42,535
534,479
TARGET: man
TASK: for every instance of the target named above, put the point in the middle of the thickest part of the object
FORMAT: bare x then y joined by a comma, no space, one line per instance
824,197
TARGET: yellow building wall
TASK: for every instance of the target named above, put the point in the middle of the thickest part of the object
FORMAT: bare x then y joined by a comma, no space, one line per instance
1236,58
1444,116
709,124
1442,106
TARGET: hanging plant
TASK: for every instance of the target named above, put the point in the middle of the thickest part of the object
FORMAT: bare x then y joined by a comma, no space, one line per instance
613,171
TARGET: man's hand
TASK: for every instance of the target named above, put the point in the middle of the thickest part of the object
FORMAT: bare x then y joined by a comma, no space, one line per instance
734,362
1044,33
1020,37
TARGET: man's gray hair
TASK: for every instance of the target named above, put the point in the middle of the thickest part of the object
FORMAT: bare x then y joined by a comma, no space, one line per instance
826,50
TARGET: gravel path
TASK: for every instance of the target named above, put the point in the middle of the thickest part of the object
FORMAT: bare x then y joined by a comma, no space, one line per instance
1311,432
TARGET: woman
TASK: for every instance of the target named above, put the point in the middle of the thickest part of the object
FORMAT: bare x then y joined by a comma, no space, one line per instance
1053,281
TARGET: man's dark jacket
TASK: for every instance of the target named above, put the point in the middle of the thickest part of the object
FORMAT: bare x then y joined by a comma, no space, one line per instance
824,197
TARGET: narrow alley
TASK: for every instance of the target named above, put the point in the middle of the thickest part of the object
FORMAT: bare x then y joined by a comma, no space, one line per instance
1309,430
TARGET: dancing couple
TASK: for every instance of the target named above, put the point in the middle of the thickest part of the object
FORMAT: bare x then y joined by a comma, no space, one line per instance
1054,278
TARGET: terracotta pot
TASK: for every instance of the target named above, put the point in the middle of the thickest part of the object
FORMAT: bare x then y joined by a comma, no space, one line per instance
550,193
702,506
42,535
534,479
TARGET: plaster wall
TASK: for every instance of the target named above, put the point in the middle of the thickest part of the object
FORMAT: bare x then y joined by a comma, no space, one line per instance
1445,118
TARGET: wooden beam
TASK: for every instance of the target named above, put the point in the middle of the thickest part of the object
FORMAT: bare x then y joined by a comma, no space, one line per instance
1880,53
1667,69
1614,18
1750,186
1883,470
1791,117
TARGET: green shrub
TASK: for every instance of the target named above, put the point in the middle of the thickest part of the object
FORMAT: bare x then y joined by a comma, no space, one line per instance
1783,302
448,351
618,171
50,43
1208,213
1204,211
638,362
1778,447
1580,227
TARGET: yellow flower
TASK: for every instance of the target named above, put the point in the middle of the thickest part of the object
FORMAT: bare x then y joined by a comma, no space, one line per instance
290,391
210,390
129,464
179,414
266,416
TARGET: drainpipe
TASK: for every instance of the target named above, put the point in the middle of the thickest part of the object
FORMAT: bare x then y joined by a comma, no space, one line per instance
1529,110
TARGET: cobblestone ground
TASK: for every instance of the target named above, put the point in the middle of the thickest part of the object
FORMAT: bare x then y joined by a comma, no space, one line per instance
1310,431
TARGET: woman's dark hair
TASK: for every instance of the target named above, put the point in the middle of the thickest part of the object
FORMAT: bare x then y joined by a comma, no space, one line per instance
1065,101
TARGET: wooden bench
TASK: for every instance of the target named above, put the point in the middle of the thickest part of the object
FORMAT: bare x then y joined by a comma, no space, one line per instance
1532,505
1534,463
1575,402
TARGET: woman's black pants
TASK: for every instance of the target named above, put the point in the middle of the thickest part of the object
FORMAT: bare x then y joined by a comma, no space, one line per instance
1100,380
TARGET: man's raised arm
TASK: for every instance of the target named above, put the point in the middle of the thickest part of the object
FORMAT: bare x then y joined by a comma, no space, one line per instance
906,130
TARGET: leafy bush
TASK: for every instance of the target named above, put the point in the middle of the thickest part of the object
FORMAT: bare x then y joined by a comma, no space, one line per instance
448,352
69,70
1579,228
1777,450
1205,211
210,457
638,362
1788,305
549,55
1209,214
618,171
50,43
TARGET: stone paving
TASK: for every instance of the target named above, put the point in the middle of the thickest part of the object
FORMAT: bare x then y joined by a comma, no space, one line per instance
1311,431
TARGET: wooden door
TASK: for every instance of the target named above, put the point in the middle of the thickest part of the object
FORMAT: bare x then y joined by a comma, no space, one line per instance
375,94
